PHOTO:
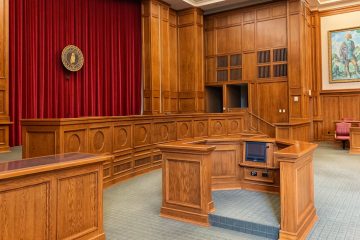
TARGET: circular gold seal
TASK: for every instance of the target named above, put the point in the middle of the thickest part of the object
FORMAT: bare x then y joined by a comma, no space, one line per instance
72,58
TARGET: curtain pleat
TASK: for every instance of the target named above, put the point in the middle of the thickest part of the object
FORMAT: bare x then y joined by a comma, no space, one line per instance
109,34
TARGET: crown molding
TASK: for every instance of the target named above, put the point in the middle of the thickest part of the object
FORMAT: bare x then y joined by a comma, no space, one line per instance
199,3
326,5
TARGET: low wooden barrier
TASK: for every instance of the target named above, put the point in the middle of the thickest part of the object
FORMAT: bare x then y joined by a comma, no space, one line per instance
131,139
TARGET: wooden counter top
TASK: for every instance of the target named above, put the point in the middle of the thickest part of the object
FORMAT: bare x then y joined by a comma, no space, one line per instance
294,150
70,121
29,166
295,123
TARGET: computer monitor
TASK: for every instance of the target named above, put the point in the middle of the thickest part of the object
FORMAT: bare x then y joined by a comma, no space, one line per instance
255,152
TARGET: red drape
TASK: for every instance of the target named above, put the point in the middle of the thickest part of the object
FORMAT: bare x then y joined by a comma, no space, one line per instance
109,34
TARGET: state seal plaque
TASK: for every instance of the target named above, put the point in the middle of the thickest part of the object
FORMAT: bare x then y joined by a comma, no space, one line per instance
72,58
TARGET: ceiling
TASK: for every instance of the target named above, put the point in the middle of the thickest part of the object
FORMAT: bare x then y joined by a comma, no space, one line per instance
212,6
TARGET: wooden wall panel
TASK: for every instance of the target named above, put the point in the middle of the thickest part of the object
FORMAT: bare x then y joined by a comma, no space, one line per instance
159,38
80,218
122,137
222,38
269,110
173,64
185,129
249,70
164,132
24,206
330,114
178,171
248,37
336,107
248,31
75,141
266,37
201,128
190,59
217,127
4,73
100,139
48,140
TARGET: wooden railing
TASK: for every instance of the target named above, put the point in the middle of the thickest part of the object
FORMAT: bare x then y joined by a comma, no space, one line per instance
261,125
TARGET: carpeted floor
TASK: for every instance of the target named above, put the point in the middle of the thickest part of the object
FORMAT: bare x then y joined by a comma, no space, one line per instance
131,208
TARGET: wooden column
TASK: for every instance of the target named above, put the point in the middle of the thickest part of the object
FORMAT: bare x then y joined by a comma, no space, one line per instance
191,58
160,60
298,213
300,60
4,76
187,183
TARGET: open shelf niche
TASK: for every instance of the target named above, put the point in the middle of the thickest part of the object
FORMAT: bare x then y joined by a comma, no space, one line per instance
237,96
214,99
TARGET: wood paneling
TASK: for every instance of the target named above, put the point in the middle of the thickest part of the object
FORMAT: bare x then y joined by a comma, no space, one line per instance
248,37
336,107
190,60
60,200
159,34
24,206
355,140
80,218
132,140
266,37
263,28
270,110
4,75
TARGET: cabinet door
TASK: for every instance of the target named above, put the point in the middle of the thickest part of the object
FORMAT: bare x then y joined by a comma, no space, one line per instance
273,97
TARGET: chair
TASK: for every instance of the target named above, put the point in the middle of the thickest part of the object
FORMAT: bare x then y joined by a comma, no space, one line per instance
342,132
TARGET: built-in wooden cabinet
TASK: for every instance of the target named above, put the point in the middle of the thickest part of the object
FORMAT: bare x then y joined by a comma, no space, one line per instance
267,48
226,97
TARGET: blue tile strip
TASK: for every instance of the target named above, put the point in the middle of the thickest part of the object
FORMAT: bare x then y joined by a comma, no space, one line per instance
238,225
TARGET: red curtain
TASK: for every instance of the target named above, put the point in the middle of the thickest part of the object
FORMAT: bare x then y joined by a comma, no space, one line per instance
109,34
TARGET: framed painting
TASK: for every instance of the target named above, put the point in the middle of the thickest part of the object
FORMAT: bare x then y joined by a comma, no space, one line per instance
344,55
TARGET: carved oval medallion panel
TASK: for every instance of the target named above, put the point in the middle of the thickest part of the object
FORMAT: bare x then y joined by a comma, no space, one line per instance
218,127
99,141
74,143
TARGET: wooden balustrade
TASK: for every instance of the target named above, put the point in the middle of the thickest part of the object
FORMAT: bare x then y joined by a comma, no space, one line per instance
131,139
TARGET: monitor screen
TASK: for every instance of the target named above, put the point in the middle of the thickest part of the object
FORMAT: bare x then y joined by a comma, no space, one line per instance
255,151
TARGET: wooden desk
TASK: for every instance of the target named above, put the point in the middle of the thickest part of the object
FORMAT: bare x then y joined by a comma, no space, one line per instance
53,197
355,140
187,181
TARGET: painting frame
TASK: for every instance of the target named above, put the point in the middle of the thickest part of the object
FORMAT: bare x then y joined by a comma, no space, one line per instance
330,57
